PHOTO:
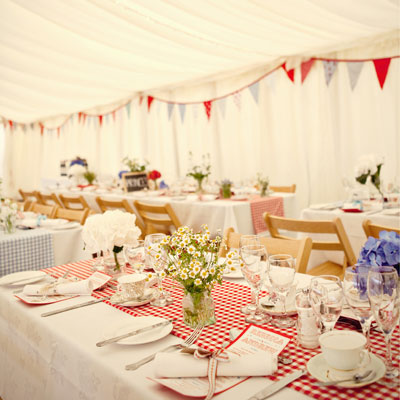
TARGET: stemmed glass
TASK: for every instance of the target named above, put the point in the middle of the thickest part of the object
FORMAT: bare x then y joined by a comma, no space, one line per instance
254,261
383,292
281,272
135,256
246,240
326,298
355,292
157,259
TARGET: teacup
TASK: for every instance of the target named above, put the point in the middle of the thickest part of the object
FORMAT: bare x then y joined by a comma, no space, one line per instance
131,287
344,352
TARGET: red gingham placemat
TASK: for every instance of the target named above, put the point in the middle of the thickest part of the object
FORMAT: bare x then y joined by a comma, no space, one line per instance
228,300
260,205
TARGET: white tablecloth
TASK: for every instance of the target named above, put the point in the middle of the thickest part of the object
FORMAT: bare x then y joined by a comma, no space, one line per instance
218,214
352,223
56,357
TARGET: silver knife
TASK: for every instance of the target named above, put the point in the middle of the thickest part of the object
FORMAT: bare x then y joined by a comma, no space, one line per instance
133,333
88,303
271,389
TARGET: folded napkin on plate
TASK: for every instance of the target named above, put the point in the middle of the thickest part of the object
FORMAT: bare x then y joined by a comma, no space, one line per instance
84,287
178,365
46,223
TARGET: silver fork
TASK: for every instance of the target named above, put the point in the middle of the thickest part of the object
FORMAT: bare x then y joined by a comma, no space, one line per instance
187,343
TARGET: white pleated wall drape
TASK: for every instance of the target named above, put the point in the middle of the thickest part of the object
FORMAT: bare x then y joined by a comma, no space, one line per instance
307,134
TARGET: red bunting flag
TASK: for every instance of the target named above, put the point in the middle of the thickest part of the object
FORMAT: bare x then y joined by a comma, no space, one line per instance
207,105
79,116
149,101
11,124
113,114
41,128
290,72
100,119
305,68
381,68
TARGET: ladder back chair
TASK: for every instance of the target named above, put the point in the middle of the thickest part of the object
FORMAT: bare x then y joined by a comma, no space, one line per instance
28,198
72,215
74,202
333,227
44,209
157,218
299,249
49,199
284,189
373,230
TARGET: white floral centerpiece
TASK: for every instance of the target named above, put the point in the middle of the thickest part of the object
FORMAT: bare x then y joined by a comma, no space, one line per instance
8,215
77,172
111,231
200,172
192,260
369,166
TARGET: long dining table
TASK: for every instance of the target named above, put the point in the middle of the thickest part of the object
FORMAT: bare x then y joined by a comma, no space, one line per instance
56,357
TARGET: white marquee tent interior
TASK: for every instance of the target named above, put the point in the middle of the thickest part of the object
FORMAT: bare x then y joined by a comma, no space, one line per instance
60,58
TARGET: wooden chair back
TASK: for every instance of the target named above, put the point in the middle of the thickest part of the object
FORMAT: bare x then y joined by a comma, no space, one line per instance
72,215
284,189
49,199
29,196
373,230
333,227
299,249
43,209
74,202
157,218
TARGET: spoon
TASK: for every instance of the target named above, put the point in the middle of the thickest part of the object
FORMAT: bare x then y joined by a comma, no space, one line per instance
357,378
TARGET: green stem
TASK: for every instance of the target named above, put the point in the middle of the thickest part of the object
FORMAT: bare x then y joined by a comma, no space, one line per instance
117,265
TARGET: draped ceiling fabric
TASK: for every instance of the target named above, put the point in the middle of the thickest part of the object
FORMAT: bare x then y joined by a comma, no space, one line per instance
60,57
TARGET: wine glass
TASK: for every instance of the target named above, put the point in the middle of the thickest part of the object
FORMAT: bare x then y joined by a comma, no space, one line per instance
281,272
326,297
254,262
157,259
355,292
246,240
383,291
134,255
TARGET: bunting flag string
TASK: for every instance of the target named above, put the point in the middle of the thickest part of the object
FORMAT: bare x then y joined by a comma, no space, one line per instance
381,68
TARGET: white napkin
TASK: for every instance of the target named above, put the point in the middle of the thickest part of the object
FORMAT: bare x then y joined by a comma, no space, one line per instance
178,365
84,287
48,222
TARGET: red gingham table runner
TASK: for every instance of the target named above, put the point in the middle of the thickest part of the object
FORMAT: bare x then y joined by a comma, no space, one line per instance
228,300
260,205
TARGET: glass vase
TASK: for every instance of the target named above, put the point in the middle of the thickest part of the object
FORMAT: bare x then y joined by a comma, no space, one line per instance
10,225
114,264
198,309
226,192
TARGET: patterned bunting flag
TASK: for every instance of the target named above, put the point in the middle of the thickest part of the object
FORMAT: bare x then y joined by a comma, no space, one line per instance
305,69
149,101
290,72
354,69
254,90
222,106
128,109
329,68
208,105
170,109
381,68
182,110
237,99
24,128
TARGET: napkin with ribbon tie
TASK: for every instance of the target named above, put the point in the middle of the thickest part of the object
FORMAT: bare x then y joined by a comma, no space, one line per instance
61,287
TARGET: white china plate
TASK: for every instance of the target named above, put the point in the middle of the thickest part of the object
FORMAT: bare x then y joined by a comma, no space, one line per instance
27,276
141,338
178,198
318,368
146,298
68,225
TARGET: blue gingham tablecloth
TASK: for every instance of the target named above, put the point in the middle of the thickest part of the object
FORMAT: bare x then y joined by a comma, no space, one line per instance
26,250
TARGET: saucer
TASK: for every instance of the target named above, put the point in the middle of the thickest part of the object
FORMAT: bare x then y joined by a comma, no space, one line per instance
318,368
117,299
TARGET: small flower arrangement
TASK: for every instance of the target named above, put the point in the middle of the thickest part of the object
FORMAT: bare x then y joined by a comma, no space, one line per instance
110,231
8,215
153,176
200,172
369,166
134,165
263,183
90,176
226,188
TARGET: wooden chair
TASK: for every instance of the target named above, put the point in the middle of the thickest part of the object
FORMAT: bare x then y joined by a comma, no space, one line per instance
284,189
29,196
373,230
23,205
43,209
299,249
49,199
74,202
72,215
157,218
333,227
121,205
